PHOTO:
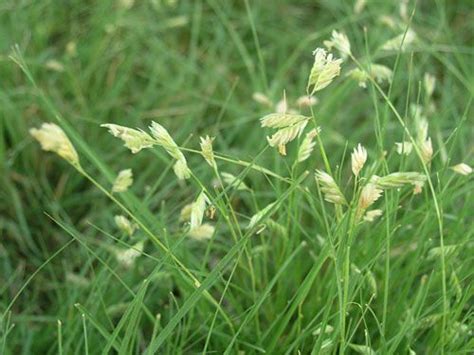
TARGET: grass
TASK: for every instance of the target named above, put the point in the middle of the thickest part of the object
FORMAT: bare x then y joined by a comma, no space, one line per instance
316,279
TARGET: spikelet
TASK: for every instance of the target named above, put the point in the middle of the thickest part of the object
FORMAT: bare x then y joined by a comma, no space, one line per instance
203,232
207,151
262,99
261,215
53,139
399,179
400,42
462,169
134,139
185,214
234,181
426,148
282,120
331,191
372,215
164,140
369,194
181,169
361,76
449,250
306,101
429,82
123,181
381,73
358,159
324,70
339,41
422,139
285,135
127,257
198,209
307,146
404,148
124,224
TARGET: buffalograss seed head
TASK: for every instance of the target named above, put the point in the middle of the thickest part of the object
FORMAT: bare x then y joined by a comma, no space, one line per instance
198,209
339,41
462,169
404,148
372,215
127,257
164,139
399,179
134,139
324,70
307,146
401,42
429,82
369,194
331,191
124,224
289,125
203,232
381,73
282,120
261,216
52,138
306,101
207,151
123,181
358,159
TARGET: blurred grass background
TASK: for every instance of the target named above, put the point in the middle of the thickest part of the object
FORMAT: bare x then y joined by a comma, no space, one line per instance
193,66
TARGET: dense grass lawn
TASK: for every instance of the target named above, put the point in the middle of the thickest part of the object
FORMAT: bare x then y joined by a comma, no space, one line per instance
188,176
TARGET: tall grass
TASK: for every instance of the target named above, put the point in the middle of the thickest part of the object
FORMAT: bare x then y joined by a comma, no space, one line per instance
341,223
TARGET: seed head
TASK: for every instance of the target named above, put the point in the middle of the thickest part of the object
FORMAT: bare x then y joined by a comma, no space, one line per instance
339,41
462,169
400,42
198,209
207,151
372,215
203,232
306,101
123,181
369,194
324,70
404,148
358,159
331,191
163,139
261,215
134,139
124,224
127,257
52,138
399,179
307,146
429,82
381,73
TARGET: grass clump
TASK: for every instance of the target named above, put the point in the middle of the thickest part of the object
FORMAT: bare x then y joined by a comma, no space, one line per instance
276,203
